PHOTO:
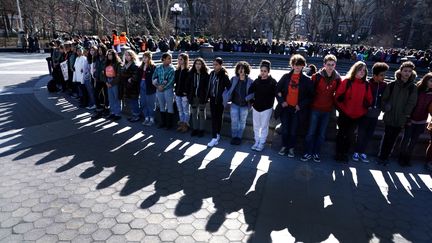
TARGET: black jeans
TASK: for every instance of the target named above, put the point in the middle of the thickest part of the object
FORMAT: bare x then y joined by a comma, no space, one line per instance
366,129
101,95
289,119
216,111
346,133
388,141
410,138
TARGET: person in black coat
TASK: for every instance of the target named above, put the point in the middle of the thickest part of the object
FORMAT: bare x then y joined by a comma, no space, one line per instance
131,86
198,81
294,93
218,83
181,92
147,89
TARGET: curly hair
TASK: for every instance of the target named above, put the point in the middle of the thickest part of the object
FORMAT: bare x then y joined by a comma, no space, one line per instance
242,64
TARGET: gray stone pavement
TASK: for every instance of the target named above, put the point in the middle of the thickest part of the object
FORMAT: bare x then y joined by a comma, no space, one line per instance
65,178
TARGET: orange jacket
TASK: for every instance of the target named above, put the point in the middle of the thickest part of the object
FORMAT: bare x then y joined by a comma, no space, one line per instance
116,40
123,40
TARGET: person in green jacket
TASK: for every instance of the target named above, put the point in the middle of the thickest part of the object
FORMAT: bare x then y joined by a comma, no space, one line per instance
399,99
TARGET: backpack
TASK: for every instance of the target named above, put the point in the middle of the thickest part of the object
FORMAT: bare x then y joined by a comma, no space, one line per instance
51,86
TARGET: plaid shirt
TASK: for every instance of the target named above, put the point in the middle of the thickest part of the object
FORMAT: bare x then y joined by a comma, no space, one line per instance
164,76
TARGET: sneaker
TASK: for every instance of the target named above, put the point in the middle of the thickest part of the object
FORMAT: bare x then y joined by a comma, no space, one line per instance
150,123
254,147
194,133
213,142
260,147
356,157
91,107
233,141
116,117
306,157
111,116
283,151
201,133
134,119
364,158
383,162
146,121
316,158
291,153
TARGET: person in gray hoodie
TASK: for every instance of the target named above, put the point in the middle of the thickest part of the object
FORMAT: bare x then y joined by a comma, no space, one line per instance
399,99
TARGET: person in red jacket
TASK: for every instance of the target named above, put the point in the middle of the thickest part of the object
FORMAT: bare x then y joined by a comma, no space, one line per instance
353,98
325,82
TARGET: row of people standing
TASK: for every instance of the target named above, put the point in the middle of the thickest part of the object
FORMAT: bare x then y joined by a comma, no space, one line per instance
358,101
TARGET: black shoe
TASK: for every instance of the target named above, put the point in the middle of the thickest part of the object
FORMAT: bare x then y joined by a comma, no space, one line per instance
194,133
238,141
134,119
116,118
382,161
233,141
169,120
201,133
110,117
96,115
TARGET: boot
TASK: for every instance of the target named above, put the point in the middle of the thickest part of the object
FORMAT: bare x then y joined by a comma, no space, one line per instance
180,127
185,127
169,120
163,120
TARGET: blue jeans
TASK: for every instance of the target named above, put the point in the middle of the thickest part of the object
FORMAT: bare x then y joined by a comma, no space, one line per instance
317,131
289,120
183,108
166,100
114,101
134,106
147,102
238,120
90,91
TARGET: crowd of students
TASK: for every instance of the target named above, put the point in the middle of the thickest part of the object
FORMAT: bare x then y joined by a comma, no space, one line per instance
100,79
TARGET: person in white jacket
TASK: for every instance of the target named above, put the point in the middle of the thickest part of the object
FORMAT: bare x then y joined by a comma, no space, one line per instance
81,72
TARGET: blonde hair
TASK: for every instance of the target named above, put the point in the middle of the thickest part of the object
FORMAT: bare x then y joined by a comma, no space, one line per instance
132,54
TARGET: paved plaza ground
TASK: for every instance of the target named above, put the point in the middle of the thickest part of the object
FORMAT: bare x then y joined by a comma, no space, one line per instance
66,178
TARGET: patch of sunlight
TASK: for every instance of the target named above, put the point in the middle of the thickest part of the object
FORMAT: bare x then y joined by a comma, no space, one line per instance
331,239
327,201
427,180
236,161
101,120
125,129
8,148
405,183
81,116
192,151
382,184
392,180
334,175
399,238
213,154
414,179
130,140
173,145
262,168
354,175
5,118
70,109
5,140
107,126
184,145
343,172
282,236
146,147
147,138
10,132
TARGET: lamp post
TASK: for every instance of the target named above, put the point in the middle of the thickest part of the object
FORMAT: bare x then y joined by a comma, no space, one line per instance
176,10
21,26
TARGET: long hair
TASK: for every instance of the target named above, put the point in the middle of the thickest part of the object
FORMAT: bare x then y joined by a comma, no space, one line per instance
103,48
204,68
354,69
422,85
116,60
185,58
149,55
91,59
132,54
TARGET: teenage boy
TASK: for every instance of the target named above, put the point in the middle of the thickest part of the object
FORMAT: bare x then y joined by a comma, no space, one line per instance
294,93
325,83
368,123
400,98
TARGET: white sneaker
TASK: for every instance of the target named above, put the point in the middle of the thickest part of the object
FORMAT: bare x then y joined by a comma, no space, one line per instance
146,121
213,142
151,122
260,147
254,147
91,107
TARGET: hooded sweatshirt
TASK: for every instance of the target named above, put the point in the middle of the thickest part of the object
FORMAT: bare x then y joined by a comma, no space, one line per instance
325,89
399,100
